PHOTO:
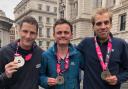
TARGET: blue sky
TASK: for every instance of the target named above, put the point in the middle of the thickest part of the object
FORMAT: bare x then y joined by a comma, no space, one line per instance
8,7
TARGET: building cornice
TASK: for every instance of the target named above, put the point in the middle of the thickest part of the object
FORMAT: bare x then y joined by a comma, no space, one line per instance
80,20
20,5
122,7
23,2
37,11
49,1
5,19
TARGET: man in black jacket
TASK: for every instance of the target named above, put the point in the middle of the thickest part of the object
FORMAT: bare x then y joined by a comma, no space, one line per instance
20,60
106,57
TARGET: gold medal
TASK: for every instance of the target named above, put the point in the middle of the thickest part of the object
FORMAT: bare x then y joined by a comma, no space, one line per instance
20,60
60,80
105,74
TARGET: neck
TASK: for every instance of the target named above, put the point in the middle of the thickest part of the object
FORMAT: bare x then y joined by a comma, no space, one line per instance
62,50
24,47
103,40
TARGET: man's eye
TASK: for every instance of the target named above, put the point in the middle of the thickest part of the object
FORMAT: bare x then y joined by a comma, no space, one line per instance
59,32
33,33
25,31
66,32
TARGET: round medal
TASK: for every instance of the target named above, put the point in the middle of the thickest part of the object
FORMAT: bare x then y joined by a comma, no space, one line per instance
20,60
105,74
60,80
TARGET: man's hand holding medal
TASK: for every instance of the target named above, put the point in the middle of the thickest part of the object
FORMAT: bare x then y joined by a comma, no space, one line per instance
12,67
112,79
52,81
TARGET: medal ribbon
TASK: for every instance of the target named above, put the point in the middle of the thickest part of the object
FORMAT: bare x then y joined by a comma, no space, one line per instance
27,57
66,64
103,64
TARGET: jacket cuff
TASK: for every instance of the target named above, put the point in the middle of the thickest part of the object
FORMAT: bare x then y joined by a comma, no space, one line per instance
3,76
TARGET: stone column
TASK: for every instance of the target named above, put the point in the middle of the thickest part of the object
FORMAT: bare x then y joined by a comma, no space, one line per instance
104,2
80,7
67,9
117,2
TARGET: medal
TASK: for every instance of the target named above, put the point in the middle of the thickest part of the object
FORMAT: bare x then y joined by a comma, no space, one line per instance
103,64
105,74
60,80
20,60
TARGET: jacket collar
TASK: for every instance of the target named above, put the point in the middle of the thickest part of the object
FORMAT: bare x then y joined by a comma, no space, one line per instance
72,49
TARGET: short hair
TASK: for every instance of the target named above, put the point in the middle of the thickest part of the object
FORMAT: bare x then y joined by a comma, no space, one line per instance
101,11
29,19
62,21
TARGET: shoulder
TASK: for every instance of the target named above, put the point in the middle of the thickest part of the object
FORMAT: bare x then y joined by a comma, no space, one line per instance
7,48
85,43
48,52
118,41
86,40
39,49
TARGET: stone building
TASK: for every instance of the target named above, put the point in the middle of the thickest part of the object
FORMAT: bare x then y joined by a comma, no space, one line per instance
45,12
12,34
5,25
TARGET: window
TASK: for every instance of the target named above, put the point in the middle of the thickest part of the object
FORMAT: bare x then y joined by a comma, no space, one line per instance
54,20
110,4
97,3
47,8
47,43
39,6
40,18
74,31
47,20
40,32
40,43
48,32
122,22
55,9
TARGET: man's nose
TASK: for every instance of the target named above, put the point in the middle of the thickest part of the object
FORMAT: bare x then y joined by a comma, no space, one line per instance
28,35
62,34
103,25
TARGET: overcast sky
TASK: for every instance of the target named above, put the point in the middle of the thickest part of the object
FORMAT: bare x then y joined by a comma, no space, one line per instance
8,7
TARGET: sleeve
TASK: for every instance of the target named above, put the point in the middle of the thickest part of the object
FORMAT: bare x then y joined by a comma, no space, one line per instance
80,46
3,77
82,62
43,72
123,75
81,49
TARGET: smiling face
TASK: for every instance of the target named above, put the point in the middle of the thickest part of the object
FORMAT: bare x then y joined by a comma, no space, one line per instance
102,25
28,34
62,34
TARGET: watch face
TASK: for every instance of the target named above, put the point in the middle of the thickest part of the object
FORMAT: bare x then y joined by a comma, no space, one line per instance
20,60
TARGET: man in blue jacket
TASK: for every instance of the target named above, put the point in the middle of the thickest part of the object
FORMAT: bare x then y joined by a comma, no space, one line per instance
106,57
60,63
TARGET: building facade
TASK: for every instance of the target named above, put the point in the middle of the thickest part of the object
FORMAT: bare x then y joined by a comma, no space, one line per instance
45,12
5,25
12,34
